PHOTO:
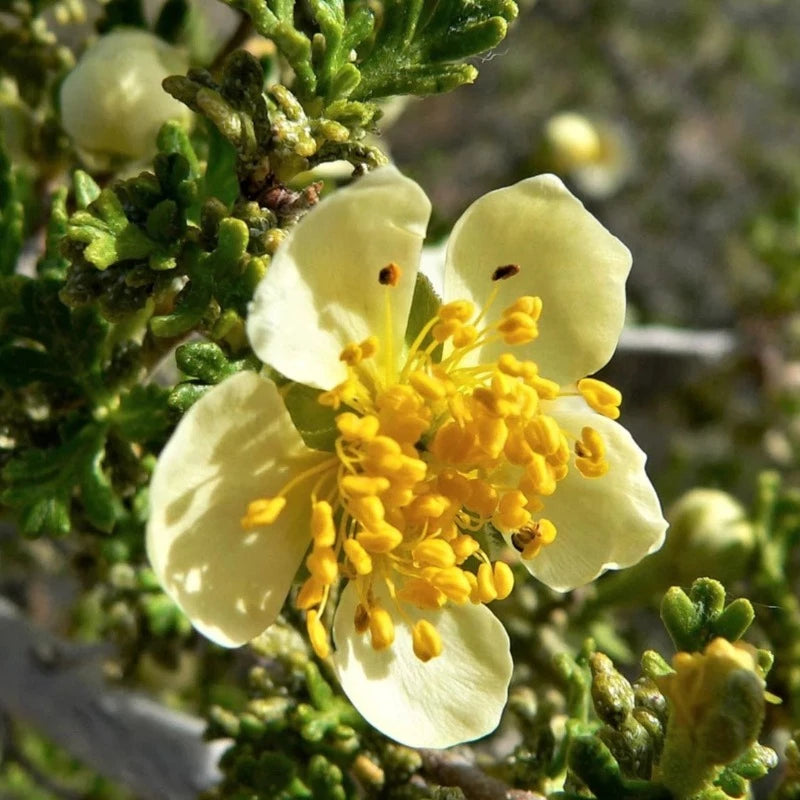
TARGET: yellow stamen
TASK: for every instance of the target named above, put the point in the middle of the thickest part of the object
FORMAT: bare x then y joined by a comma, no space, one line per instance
381,628
359,557
323,530
262,512
503,579
601,397
426,641
317,635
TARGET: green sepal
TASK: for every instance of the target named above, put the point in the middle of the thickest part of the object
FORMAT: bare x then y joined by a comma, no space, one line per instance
52,264
425,304
314,422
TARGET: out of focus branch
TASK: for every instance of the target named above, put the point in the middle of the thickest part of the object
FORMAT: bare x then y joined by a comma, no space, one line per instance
58,688
663,340
450,769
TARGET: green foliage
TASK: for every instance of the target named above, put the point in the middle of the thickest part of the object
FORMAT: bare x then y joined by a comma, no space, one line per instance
12,214
400,47
205,364
694,619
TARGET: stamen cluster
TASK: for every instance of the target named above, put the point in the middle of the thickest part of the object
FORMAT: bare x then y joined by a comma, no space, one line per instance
426,457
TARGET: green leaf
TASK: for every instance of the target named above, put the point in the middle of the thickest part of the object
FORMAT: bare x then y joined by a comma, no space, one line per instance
143,415
419,44
41,484
106,233
207,364
314,422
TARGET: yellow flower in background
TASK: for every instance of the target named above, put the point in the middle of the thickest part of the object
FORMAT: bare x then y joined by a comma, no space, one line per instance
486,417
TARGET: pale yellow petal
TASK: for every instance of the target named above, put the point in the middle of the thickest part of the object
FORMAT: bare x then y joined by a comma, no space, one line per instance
565,256
321,290
455,697
234,445
602,523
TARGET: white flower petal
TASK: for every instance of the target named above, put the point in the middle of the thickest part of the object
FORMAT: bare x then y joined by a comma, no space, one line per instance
321,290
456,697
602,523
234,445
565,256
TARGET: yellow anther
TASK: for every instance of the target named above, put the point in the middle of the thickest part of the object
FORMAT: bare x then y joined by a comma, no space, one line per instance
381,628
543,434
426,641
429,387
540,476
369,347
465,336
403,468
427,507
474,592
322,565
490,401
492,435
359,557
351,354
420,593
323,530
601,397
369,511
510,365
461,310
546,389
454,485
317,634
503,385
442,331
483,497
528,305
310,594
382,446
511,512
486,590
591,469
361,619
356,429
503,579
517,450
363,485
383,540
518,328
434,553
451,581
591,444
464,546
453,443
262,512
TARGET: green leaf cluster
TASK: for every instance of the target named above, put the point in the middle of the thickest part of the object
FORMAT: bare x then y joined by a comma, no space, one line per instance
366,51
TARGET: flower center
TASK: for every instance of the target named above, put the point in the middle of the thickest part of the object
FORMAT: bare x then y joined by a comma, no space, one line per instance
429,455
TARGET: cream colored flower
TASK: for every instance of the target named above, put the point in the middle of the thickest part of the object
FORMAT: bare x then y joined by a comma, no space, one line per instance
112,103
485,419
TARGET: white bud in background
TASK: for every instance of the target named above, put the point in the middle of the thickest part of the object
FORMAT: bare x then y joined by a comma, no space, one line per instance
113,104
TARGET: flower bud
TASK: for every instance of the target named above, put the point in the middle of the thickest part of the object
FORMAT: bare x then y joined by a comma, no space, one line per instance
112,103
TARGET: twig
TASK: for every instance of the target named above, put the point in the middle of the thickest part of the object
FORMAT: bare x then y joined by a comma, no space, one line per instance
450,769
58,689
662,340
